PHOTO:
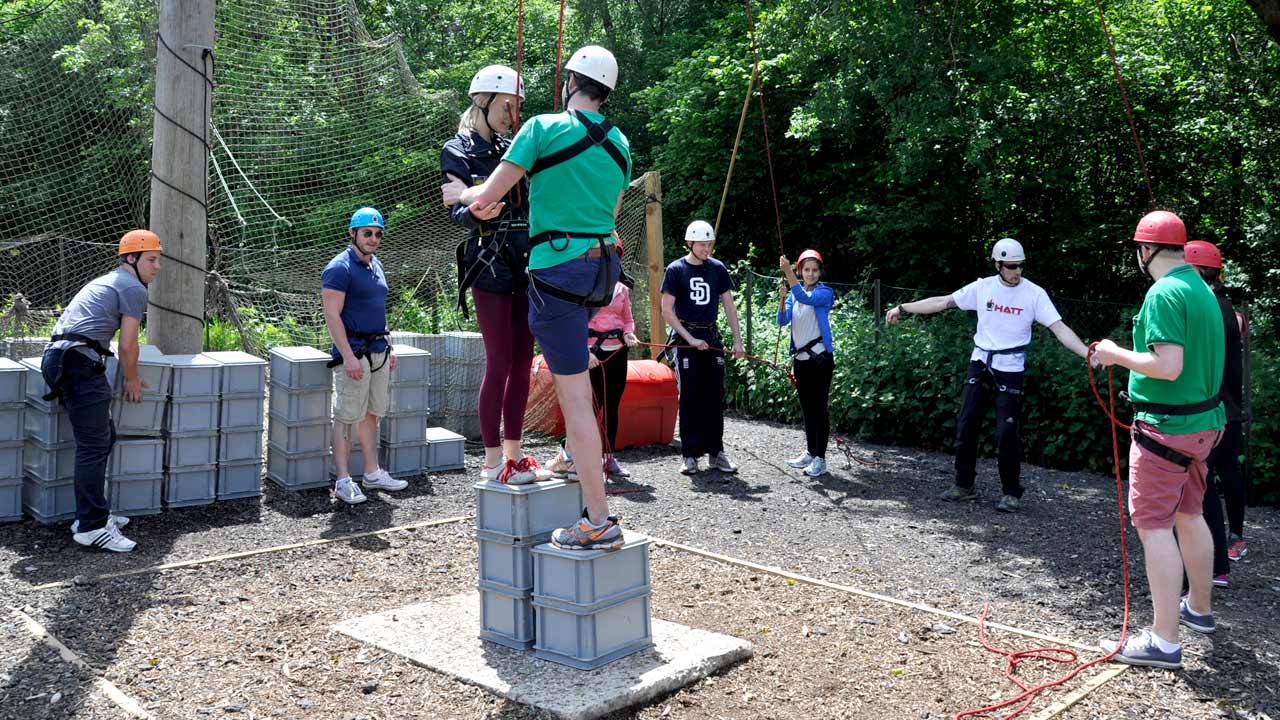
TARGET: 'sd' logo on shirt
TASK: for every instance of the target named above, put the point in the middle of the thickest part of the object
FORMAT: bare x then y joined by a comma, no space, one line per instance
993,306
699,291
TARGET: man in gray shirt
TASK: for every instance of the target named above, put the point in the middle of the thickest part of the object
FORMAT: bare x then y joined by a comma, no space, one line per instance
115,301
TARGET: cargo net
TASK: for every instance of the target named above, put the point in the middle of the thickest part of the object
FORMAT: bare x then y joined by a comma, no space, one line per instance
312,118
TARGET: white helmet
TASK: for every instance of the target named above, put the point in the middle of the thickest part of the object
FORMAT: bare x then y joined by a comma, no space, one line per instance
596,63
699,231
1007,250
496,79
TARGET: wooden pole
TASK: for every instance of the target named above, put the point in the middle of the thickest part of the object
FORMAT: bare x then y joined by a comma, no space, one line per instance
179,172
653,239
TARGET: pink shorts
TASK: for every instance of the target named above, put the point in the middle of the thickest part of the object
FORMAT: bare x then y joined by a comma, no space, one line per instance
1160,488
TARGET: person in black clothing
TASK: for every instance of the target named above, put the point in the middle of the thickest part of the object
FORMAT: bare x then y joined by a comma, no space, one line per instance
491,263
693,290
1224,461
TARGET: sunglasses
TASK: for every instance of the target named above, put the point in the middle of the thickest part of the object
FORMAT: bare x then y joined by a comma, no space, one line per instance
1012,266
371,233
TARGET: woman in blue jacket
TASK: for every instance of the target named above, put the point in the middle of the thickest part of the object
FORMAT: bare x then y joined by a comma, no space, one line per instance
806,303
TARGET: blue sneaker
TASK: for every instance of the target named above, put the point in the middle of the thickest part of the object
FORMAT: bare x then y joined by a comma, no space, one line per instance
1141,649
1200,623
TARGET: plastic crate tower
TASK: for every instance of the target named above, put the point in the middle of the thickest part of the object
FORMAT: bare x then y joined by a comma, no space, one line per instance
300,428
242,383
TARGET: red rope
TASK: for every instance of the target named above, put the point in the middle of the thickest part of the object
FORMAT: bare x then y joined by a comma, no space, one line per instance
1063,655
1124,95
559,56
764,120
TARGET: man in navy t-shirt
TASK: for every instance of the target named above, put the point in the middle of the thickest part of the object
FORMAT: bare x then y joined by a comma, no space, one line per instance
693,290
355,311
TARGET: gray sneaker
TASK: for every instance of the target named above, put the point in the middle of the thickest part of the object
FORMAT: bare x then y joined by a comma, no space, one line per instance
1141,649
801,462
689,466
955,493
1009,504
1200,623
817,468
614,470
722,463
583,536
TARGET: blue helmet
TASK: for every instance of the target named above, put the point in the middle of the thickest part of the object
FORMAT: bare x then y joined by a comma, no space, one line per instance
366,217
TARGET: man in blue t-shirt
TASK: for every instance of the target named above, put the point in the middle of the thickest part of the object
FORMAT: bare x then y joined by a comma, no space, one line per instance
355,311
693,290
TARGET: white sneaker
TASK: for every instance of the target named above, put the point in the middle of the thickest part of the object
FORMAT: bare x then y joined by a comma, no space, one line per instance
116,520
381,480
106,538
491,473
802,461
348,492
689,466
722,463
817,468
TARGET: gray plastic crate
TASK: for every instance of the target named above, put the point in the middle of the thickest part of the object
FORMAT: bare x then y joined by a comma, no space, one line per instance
191,449
408,397
355,464
239,479
240,445
35,386
527,512
297,471
412,365
300,368
49,463
187,486
15,348
11,463
49,426
580,580
467,425
192,414
241,412
10,499
402,460
299,437
301,404
13,382
506,616
153,368
194,376
464,345
505,563
446,450
396,429
437,399
593,639
242,373
464,400
49,502
135,494
411,339
140,418
136,457
13,422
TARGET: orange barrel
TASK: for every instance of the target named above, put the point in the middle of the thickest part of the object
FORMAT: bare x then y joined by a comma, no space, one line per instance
650,405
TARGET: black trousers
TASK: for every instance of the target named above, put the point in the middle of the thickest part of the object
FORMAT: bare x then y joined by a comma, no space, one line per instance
1213,518
813,381
700,376
87,399
982,389
1224,461
608,380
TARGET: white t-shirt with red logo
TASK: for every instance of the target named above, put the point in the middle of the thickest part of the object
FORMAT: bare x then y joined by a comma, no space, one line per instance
1005,315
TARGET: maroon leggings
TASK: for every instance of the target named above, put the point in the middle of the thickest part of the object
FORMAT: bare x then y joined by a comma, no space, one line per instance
508,349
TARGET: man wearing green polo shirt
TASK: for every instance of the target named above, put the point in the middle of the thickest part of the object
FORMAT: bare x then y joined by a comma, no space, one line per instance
1178,418
579,166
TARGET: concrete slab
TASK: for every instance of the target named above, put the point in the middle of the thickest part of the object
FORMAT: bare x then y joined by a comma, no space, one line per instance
443,636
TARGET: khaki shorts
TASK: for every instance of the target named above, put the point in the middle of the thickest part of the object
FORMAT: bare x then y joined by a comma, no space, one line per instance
370,395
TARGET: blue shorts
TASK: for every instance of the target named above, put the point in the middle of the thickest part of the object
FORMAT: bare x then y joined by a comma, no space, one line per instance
560,325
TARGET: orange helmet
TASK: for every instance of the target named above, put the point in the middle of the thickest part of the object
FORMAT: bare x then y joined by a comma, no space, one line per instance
1161,228
138,241
1203,254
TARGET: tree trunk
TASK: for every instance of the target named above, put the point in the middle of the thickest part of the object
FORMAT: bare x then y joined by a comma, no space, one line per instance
1269,12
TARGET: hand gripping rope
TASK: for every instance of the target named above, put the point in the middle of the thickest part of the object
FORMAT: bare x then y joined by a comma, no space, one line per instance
1063,655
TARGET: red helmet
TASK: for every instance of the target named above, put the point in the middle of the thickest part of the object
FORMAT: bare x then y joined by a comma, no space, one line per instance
1203,254
1161,228
807,255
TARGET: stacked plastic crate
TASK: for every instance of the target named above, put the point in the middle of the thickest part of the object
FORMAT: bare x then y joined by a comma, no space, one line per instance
17,348
437,379
136,475
13,380
242,384
510,521
299,427
191,431
48,452
403,432
464,352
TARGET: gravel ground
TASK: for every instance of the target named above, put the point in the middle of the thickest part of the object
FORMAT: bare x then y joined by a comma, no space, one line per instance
252,638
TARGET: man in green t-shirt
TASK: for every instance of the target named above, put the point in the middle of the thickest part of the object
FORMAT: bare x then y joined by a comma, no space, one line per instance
579,166
1178,418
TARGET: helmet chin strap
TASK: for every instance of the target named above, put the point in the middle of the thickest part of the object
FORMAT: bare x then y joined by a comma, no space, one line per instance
1146,265
136,257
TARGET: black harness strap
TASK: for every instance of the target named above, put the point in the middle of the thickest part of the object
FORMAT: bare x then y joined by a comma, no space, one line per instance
1187,409
51,363
1149,444
597,135
489,251
363,352
602,335
808,347
1021,349
93,343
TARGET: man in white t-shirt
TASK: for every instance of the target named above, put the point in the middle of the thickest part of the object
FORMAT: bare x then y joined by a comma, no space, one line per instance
1007,304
